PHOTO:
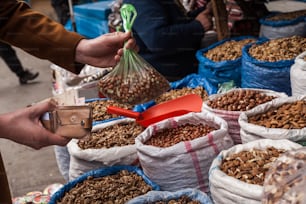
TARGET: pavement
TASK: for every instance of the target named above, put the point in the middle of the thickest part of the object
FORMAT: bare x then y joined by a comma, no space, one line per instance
32,170
28,169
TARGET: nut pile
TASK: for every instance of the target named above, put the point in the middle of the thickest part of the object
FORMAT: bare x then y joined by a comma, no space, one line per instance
239,100
135,88
171,136
286,179
181,200
230,50
120,134
287,116
287,16
99,109
279,49
250,166
176,93
116,189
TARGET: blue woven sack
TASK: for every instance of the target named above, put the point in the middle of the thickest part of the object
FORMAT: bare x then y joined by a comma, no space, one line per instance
217,73
100,173
265,75
154,196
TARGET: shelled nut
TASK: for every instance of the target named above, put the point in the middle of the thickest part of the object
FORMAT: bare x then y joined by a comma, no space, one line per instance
117,189
171,136
134,88
287,15
274,50
250,166
175,93
239,100
287,116
99,109
120,134
229,50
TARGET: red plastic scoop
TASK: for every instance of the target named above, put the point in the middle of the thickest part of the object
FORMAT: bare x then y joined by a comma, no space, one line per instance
156,113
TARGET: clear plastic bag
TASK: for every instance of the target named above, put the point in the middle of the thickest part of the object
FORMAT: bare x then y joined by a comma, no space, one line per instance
285,182
133,80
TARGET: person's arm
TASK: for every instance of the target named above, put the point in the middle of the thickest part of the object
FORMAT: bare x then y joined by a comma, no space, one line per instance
158,32
44,38
24,127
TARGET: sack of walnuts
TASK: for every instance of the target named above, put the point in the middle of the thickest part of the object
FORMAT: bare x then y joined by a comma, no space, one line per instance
133,80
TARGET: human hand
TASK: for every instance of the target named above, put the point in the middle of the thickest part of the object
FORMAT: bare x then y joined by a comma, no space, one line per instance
106,50
24,127
205,17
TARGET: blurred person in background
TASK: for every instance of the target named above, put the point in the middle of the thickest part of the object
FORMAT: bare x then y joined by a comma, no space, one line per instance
9,56
169,36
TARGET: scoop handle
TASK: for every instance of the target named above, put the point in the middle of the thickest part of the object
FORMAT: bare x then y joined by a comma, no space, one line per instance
123,112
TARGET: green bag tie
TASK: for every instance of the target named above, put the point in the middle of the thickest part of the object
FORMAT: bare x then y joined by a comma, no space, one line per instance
128,15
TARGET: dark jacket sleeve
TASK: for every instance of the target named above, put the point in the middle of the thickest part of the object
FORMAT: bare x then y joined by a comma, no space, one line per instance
38,35
161,29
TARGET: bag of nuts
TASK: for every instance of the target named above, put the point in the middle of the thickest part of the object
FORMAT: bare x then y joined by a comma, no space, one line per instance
285,181
283,24
282,118
266,64
117,184
221,62
111,143
298,75
176,153
133,80
231,104
236,175
185,196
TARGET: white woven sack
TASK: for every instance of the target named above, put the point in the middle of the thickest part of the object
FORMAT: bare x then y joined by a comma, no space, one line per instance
250,132
298,76
186,164
272,32
229,190
88,159
231,117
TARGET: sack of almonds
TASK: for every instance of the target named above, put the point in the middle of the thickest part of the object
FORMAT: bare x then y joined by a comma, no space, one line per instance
110,144
185,196
231,104
282,118
221,62
236,175
176,153
117,184
298,75
266,64
283,24
285,181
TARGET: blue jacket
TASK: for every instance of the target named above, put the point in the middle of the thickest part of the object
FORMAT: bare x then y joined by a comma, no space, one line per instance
167,37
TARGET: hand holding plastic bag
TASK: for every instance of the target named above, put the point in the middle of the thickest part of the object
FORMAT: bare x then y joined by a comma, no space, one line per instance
133,80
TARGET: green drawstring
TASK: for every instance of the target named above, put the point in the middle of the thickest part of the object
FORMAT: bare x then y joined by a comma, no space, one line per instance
128,15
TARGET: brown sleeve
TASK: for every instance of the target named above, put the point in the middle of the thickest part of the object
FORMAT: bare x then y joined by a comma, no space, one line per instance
38,35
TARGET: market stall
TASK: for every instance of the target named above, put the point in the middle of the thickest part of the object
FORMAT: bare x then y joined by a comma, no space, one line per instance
226,152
